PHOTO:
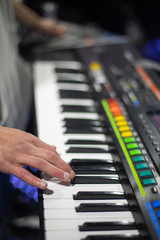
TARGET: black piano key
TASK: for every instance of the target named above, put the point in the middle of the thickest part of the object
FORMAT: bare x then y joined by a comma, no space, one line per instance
104,226
78,108
91,150
60,80
80,129
94,170
86,150
82,119
70,122
94,180
67,70
84,124
113,237
102,207
86,142
98,195
91,162
75,94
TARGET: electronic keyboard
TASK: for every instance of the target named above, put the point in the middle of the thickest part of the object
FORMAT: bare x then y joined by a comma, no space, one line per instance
99,105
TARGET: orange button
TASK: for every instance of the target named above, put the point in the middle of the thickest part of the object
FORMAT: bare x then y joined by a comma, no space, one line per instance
115,109
117,114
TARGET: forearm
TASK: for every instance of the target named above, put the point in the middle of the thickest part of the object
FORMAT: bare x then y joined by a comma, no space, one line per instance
26,15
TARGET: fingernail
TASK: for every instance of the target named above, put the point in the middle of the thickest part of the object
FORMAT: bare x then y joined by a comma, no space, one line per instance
72,174
66,176
43,184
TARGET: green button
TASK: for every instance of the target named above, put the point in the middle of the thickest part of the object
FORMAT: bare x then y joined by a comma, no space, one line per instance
129,139
132,145
145,173
135,152
141,166
138,158
149,181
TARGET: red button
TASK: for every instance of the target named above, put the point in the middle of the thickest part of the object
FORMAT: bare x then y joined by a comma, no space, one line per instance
110,100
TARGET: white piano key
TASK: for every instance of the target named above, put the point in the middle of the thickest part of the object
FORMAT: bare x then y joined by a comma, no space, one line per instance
60,190
92,116
72,214
71,86
86,136
68,64
72,225
83,102
69,156
71,203
75,235
100,175
71,76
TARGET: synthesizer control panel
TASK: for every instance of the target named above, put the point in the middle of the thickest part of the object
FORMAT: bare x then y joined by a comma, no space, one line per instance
129,95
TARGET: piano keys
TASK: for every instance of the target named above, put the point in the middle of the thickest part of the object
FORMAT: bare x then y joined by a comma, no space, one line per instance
86,131
103,200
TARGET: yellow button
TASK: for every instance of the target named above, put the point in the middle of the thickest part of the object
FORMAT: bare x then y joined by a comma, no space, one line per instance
121,123
126,134
123,129
119,118
95,66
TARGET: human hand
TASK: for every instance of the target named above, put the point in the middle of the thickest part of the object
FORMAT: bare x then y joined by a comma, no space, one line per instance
50,26
18,148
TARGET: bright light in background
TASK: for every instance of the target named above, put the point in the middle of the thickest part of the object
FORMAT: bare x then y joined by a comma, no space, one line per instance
27,193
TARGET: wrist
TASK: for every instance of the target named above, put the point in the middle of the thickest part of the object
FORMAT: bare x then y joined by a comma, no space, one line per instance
36,24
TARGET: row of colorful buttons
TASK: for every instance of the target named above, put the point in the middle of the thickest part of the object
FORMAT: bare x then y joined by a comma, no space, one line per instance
130,141
137,157
123,127
144,170
120,120
125,132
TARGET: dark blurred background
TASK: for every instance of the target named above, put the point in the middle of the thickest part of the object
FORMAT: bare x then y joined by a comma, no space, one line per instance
112,15
139,21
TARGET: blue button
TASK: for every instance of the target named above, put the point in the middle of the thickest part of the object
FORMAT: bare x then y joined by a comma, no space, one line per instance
156,203
158,214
